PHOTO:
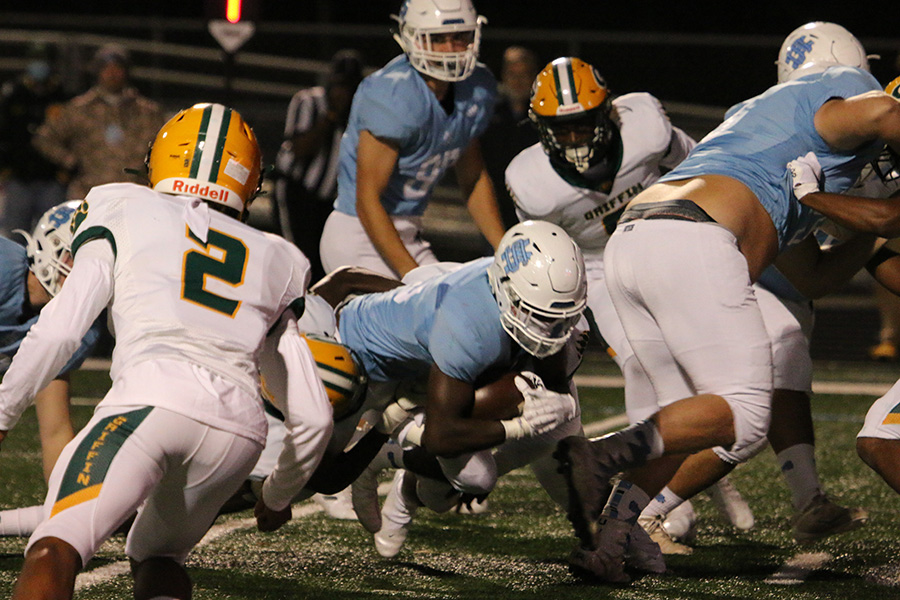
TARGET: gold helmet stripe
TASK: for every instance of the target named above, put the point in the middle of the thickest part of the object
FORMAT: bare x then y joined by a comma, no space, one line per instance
213,130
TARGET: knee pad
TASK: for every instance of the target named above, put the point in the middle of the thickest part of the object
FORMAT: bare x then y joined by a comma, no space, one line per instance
474,473
751,411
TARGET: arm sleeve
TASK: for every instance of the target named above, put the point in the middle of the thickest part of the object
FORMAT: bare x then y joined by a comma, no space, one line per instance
58,332
307,419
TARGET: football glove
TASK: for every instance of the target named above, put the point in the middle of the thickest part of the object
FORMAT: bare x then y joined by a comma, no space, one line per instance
806,174
542,409
396,414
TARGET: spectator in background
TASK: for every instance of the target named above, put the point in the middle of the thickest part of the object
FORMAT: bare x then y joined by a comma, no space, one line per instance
30,182
510,132
307,162
101,132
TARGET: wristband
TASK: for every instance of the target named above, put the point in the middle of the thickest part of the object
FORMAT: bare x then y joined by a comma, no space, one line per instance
881,255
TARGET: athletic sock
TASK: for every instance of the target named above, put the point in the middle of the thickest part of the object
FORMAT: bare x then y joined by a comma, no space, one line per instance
798,465
663,503
626,502
21,521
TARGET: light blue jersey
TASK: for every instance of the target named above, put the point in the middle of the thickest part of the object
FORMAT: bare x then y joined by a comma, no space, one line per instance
451,321
395,104
15,315
761,135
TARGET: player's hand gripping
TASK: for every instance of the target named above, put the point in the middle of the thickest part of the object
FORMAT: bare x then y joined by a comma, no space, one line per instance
268,519
806,174
542,410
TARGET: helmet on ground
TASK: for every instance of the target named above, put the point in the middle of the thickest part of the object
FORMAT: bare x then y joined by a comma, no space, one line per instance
571,106
816,46
341,372
49,246
423,23
539,282
210,152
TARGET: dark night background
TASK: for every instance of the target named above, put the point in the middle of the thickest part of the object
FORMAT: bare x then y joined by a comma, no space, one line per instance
771,18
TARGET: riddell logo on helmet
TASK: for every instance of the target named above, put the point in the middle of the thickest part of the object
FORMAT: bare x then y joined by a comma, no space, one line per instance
202,191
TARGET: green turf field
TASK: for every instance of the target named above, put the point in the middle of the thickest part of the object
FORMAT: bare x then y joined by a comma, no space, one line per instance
518,549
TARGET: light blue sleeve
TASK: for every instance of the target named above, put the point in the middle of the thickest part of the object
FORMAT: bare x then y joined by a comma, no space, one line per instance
390,109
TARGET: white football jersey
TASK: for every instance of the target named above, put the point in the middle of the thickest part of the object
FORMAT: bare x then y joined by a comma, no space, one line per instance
190,283
649,142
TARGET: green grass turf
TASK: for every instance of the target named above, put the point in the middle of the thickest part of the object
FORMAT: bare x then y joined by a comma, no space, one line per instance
518,549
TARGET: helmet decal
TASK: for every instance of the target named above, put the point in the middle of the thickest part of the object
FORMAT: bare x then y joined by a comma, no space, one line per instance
516,255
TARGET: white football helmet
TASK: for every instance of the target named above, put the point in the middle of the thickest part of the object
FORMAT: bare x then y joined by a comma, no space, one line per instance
420,19
817,46
49,246
539,282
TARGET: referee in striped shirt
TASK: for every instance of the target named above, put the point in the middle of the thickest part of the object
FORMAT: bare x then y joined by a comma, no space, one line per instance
307,162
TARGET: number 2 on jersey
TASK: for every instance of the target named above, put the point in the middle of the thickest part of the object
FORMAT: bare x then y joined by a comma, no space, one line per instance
228,264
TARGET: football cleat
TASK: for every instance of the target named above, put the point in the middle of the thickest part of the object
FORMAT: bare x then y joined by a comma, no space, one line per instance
822,517
597,564
336,506
654,528
49,246
364,491
207,151
588,486
397,514
538,279
681,523
642,553
731,504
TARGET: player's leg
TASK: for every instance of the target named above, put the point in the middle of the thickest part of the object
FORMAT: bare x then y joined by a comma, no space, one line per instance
883,457
54,421
709,328
100,479
878,442
204,466
49,571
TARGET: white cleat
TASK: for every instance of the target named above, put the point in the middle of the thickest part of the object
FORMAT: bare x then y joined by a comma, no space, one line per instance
396,515
681,523
654,528
336,506
731,504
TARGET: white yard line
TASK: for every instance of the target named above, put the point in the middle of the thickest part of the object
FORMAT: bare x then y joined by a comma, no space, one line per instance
798,568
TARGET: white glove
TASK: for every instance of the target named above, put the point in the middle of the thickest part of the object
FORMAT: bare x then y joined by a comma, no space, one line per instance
806,174
542,410
396,414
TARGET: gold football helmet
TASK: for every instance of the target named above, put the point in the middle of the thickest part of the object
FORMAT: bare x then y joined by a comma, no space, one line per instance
207,151
571,105
341,372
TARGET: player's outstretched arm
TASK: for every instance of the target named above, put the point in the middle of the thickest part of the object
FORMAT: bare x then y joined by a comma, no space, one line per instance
478,189
308,422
